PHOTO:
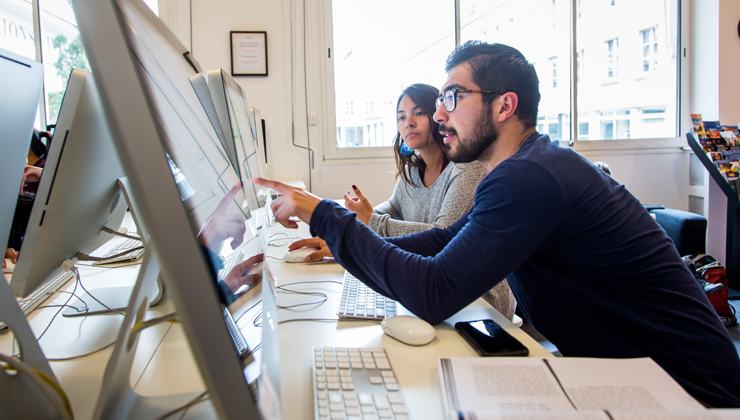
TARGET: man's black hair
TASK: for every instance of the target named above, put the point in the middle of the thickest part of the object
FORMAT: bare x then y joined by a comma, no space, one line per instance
501,68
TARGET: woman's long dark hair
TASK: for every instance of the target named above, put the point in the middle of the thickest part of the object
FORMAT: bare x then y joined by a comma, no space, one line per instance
425,97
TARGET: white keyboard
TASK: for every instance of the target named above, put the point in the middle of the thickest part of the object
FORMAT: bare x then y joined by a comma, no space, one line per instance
360,301
39,296
355,383
133,255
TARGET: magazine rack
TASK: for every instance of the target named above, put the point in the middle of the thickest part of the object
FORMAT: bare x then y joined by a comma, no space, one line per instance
732,218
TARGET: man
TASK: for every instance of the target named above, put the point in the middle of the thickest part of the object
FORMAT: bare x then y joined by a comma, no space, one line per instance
589,267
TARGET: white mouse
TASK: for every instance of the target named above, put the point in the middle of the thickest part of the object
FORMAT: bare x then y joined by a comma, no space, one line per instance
408,329
298,255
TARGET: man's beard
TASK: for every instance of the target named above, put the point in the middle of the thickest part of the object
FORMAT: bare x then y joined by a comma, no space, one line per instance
484,136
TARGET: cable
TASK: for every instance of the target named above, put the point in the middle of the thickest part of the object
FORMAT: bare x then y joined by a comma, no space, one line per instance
46,384
79,279
287,238
140,326
317,320
117,233
85,257
64,359
245,312
198,398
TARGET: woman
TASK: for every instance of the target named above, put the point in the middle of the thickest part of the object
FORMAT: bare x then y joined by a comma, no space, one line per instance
431,192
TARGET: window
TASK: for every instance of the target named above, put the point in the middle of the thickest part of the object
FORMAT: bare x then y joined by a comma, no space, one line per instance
615,100
60,44
554,65
612,58
363,73
649,50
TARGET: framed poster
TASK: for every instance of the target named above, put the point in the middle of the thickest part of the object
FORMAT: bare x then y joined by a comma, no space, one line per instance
248,53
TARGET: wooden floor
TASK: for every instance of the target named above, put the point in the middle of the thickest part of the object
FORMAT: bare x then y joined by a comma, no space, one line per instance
734,333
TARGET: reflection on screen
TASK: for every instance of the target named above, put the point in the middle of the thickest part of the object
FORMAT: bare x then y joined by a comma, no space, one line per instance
245,141
211,190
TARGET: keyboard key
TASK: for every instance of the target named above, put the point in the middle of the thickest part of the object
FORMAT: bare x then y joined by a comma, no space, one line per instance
376,380
383,364
391,387
365,399
395,398
385,414
398,409
335,397
381,402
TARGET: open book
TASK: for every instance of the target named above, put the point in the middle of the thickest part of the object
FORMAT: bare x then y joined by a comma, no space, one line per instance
553,388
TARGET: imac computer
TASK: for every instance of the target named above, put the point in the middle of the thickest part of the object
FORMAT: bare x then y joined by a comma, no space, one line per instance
20,90
228,141
78,203
188,195
230,103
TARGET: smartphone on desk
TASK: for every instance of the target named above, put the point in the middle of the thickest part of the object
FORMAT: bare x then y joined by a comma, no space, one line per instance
490,339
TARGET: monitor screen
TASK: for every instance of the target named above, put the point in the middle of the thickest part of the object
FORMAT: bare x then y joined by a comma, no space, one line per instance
230,102
197,223
78,193
20,88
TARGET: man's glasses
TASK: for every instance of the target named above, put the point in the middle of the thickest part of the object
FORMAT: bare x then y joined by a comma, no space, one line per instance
449,97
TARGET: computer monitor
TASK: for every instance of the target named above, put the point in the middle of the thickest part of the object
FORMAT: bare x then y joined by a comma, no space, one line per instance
20,90
151,106
78,195
255,118
230,102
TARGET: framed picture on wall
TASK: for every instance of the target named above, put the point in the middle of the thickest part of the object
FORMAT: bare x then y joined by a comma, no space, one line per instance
248,53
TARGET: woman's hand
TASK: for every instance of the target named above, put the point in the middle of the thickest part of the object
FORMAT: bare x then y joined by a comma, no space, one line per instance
322,249
292,202
359,205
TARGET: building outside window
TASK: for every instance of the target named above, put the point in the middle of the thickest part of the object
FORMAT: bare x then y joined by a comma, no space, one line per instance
612,91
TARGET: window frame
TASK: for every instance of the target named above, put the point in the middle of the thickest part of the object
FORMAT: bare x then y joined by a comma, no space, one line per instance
333,154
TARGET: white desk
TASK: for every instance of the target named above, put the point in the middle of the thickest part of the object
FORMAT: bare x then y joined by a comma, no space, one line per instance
164,364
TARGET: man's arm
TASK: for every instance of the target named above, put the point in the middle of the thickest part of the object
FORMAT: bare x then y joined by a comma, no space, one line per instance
507,225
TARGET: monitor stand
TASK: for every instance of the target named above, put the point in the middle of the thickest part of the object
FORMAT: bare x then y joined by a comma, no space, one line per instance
116,299
21,396
117,400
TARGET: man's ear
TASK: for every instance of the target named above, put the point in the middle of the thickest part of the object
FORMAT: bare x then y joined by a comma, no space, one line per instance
507,106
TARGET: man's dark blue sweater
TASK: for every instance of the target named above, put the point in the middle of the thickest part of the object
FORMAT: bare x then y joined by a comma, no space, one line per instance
590,269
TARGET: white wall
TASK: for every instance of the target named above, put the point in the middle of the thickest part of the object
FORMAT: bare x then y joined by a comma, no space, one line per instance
655,177
271,94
